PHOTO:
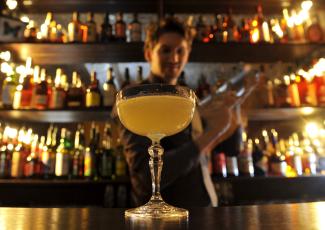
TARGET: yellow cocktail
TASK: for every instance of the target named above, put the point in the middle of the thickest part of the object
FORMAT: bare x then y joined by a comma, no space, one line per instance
156,111
156,116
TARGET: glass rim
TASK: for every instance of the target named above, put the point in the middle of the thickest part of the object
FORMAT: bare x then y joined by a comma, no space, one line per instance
132,91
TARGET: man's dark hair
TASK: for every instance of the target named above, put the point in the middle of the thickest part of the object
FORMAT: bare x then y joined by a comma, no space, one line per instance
167,25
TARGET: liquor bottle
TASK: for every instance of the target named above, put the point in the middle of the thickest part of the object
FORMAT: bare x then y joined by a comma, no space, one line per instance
17,94
17,162
219,164
270,94
31,160
314,31
281,92
45,27
309,158
40,100
93,94
62,156
107,154
231,33
139,74
244,30
293,155
27,92
47,157
107,30
58,95
30,32
74,29
218,29
277,162
39,169
8,92
127,80
245,160
202,30
3,156
109,89
90,155
120,163
120,27
260,161
293,92
135,30
302,85
75,93
78,155
91,29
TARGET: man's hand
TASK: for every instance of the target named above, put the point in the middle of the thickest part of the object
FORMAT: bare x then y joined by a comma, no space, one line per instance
220,121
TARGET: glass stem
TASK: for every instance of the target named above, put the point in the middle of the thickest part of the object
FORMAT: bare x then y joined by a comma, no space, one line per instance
155,163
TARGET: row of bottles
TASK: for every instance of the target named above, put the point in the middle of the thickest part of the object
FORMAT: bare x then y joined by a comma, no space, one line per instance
24,154
306,87
270,156
85,32
37,90
289,28
293,26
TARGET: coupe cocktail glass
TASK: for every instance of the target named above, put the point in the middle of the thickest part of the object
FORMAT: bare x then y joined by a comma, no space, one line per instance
156,111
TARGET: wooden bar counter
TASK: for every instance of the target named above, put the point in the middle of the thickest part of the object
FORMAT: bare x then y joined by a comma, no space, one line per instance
303,216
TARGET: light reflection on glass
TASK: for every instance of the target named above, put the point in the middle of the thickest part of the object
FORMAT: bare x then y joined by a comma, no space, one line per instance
159,224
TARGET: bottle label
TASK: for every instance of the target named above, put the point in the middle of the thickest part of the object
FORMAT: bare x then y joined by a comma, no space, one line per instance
74,32
92,99
41,100
74,104
245,165
88,165
120,30
15,165
57,99
136,33
109,97
61,164
8,93
120,168
17,99
91,33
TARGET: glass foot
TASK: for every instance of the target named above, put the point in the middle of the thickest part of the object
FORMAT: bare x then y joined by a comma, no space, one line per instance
157,209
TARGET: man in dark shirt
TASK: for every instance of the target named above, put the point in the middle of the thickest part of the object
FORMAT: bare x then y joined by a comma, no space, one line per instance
184,181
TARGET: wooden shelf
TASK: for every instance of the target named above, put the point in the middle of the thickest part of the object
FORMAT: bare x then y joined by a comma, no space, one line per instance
283,113
68,6
150,6
58,116
52,53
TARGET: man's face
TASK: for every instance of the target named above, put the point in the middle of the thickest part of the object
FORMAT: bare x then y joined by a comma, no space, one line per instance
169,56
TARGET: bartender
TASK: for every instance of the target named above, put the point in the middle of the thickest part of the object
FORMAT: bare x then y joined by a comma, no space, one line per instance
185,180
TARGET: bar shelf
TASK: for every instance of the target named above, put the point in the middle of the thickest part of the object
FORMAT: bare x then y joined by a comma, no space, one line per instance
58,116
71,53
278,114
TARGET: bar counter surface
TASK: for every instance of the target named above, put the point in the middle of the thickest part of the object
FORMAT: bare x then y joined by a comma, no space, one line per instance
303,216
